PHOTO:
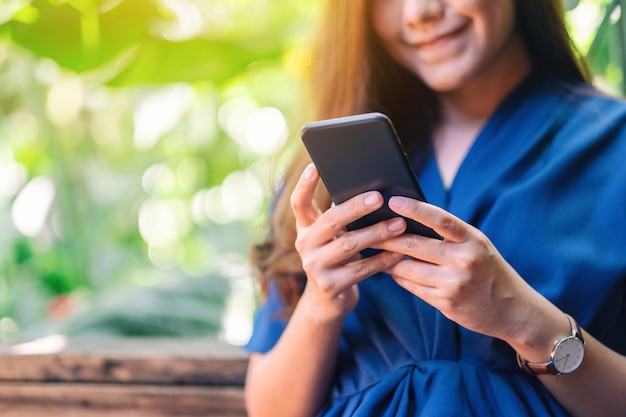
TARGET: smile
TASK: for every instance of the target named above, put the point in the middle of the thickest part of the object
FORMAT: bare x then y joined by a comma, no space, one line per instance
438,39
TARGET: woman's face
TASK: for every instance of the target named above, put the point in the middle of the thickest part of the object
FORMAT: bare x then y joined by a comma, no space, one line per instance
448,43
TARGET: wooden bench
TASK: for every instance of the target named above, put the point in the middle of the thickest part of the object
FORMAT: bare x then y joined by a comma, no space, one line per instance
56,377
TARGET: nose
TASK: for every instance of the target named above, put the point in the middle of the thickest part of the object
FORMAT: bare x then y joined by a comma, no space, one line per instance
419,12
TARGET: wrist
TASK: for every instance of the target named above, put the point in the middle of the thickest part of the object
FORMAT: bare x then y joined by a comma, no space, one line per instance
534,339
565,357
322,310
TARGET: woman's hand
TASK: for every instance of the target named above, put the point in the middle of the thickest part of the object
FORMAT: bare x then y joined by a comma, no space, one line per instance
463,276
330,254
467,279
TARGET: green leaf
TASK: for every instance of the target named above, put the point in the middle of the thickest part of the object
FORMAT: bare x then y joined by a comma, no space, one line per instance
16,9
160,61
82,41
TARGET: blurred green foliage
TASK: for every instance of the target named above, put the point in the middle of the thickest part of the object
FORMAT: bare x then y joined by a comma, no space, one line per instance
135,151
599,32
135,140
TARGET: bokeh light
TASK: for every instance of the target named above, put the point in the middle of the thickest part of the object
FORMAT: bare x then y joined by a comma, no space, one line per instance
159,112
65,101
260,130
32,205
163,222
13,177
238,198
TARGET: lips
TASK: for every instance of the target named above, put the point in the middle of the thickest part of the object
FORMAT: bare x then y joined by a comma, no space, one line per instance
438,38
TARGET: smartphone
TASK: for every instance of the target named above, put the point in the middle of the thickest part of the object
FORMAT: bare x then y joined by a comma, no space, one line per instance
362,153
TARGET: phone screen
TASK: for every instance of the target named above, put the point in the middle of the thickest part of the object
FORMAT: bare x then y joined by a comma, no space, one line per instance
362,153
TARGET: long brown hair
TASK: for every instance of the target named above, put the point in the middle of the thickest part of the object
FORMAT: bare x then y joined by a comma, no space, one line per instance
352,73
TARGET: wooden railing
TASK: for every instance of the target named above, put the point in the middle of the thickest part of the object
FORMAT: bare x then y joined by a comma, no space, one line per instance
56,377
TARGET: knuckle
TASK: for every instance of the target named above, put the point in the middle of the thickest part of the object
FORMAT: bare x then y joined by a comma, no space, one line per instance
450,304
294,197
308,265
412,244
347,243
467,262
364,269
356,206
444,220
454,294
326,287
296,203
457,288
381,231
329,220
299,244
485,246
406,269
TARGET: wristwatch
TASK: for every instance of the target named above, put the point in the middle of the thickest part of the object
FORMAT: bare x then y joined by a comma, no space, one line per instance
567,355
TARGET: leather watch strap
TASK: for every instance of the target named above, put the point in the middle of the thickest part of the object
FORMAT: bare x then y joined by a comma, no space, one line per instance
548,368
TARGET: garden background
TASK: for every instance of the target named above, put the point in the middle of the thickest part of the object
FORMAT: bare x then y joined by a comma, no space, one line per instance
136,155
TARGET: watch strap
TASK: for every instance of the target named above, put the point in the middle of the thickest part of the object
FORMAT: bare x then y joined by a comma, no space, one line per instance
543,368
548,368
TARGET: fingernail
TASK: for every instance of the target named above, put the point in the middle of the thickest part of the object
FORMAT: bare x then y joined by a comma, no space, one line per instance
397,255
371,199
396,225
309,171
398,201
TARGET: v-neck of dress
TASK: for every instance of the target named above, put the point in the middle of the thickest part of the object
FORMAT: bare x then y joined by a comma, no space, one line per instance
487,152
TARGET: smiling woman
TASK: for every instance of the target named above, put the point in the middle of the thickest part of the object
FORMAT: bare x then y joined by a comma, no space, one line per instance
127,123
450,54
503,128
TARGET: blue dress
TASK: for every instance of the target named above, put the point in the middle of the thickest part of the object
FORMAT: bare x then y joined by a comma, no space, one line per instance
546,181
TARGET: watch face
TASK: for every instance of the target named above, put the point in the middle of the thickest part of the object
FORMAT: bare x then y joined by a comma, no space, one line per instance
568,354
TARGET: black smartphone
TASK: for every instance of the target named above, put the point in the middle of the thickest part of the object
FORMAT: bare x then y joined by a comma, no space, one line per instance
362,153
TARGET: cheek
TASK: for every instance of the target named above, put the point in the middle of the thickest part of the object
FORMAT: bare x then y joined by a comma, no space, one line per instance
496,23
386,19
493,31
493,19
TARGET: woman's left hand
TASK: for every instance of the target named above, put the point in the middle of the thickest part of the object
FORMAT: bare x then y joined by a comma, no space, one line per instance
463,276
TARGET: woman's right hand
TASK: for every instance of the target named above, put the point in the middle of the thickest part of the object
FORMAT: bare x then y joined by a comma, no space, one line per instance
330,254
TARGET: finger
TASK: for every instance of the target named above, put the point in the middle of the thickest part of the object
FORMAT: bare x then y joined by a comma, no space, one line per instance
358,270
303,205
335,220
415,275
419,247
450,227
349,244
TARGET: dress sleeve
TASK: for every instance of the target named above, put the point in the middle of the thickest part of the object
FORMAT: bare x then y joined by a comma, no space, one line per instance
269,322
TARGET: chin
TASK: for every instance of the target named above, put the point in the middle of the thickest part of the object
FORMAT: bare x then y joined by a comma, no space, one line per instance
444,75
443,84
445,78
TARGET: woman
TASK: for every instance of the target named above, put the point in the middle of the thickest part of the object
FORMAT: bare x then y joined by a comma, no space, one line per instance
522,162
